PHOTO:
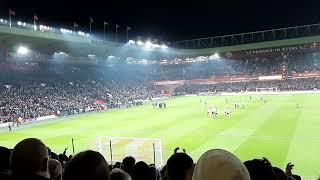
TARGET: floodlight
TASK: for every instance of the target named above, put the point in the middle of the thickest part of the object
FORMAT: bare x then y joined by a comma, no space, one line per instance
19,23
155,45
216,55
24,24
131,42
163,46
148,44
22,50
140,43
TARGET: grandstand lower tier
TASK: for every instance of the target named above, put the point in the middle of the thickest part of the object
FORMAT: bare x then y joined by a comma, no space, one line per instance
271,126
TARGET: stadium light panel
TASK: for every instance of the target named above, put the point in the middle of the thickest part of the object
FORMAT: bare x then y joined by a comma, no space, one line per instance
155,46
131,42
216,56
148,44
140,43
163,46
22,50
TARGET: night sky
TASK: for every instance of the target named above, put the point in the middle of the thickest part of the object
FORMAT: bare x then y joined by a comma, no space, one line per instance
168,20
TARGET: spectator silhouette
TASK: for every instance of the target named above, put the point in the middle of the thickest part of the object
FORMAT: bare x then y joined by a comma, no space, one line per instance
128,164
219,164
141,171
119,174
180,167
87,165
5,159
29,160
55,169
260,169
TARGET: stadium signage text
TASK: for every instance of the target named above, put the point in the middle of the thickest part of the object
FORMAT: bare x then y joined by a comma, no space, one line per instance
275,50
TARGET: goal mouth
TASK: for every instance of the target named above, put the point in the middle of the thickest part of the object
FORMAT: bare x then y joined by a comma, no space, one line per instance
115,149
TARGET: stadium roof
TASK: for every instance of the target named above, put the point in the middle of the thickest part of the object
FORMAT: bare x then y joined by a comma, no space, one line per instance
51,42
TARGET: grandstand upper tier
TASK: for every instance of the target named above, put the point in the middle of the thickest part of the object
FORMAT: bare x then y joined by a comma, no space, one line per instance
78,45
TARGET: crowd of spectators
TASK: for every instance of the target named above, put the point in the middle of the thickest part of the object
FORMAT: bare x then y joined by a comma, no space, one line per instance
32,99
32,159
34,90
275,85
252,65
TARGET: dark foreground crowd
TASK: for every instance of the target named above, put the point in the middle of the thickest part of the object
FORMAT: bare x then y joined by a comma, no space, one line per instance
31,159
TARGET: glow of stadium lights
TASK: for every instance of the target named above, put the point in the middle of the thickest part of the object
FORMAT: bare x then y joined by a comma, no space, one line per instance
22,50
60,53
24,24
131,42
110,57
140,43
19,23
155,45
163,46
1,20
216,56
148,44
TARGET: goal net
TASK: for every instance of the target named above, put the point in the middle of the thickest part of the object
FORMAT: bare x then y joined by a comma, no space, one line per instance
270,89
114,149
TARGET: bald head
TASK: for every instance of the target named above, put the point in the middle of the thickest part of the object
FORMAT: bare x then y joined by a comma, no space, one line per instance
55,169
219,164
30,156
119,174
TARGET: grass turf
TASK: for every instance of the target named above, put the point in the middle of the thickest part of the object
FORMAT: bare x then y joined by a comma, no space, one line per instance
275,129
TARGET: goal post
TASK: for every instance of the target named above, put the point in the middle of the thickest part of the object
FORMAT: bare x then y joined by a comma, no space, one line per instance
114,149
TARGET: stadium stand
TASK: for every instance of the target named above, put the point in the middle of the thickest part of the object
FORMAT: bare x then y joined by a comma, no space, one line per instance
33,90
53,83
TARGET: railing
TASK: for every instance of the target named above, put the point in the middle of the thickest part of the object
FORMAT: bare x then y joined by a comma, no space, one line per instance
250,37
54,31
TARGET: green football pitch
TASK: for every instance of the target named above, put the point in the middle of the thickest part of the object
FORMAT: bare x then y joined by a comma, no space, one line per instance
277,129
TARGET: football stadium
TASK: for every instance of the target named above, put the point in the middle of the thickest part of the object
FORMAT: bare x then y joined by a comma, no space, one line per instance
252,99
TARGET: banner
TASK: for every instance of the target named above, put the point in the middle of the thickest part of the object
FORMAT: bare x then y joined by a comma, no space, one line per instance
275,77
306,75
